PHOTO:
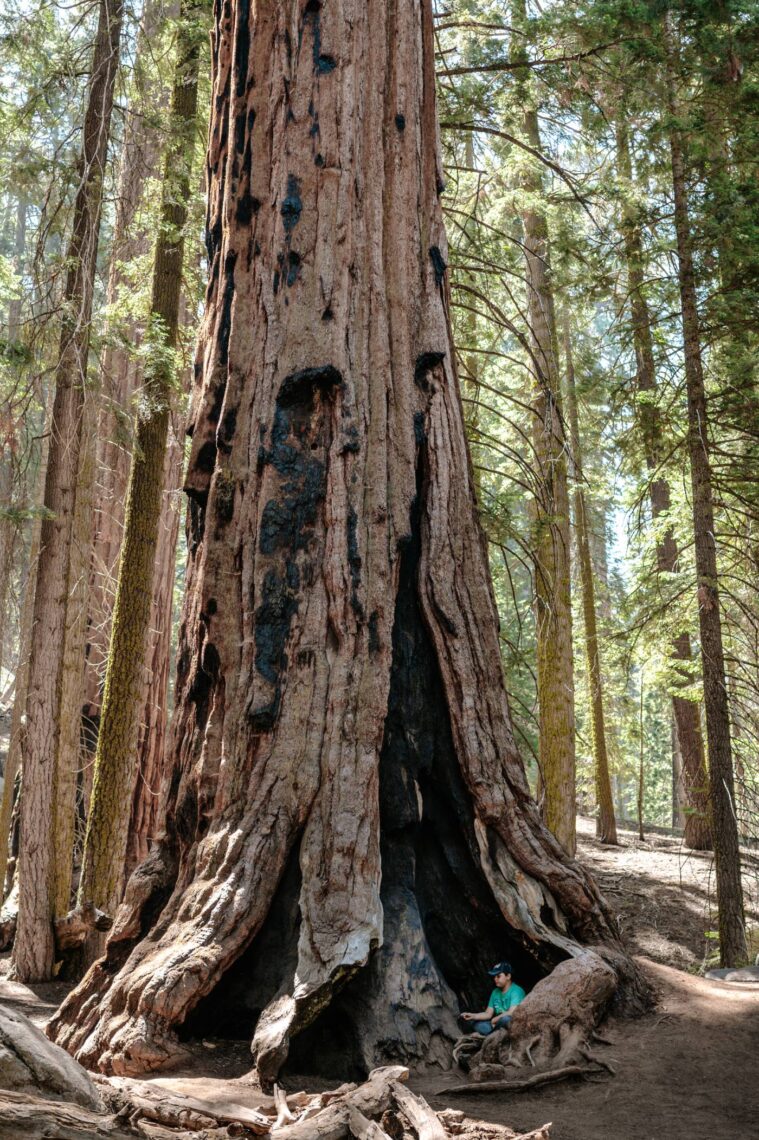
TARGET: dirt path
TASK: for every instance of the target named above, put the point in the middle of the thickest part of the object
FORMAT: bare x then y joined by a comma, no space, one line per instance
664,895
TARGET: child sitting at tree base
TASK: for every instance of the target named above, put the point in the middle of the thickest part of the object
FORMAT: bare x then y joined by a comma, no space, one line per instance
506,996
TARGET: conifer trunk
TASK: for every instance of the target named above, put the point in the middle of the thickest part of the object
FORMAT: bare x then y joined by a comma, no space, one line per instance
732,932
348,836
690,744
72,670
140,163
7,542
151,738
551,533
25,630
105,846
606,824
33,947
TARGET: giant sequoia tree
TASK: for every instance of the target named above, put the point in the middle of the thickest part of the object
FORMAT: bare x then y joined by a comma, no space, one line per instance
348,835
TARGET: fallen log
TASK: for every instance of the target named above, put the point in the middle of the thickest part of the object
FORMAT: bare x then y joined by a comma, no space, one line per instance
151,1102
362,1128
333,1122
23,1114
418,1113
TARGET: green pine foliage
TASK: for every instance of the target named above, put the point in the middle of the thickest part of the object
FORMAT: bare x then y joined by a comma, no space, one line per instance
592,67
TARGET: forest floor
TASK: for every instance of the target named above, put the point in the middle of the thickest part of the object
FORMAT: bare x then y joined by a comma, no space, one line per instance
685,1071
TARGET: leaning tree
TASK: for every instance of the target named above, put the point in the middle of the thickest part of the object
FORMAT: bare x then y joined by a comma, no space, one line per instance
349,838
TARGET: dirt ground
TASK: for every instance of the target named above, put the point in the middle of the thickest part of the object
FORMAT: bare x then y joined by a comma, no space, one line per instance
686,1071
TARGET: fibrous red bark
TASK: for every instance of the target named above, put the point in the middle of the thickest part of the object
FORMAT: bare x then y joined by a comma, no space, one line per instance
349,837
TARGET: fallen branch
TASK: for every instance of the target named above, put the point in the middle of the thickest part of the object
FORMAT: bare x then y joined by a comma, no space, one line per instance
333,1122
284,1115
532,1082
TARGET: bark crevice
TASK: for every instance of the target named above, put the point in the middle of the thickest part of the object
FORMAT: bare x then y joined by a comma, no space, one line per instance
442,927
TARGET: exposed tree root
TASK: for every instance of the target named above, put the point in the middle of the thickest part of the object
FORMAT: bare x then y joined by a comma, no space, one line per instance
550,1032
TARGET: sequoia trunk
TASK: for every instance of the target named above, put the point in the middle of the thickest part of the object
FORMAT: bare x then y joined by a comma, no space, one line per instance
347,810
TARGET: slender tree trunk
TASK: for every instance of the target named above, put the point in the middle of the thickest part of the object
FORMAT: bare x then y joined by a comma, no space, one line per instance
640,789
344,781
7,543
151,742
14,308
678,787
697,832
732,932
33,947
551,541
120,367
105,846
15,740
606,825
72,670
8,528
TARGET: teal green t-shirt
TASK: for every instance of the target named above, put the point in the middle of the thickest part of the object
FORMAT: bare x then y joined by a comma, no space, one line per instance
502,1002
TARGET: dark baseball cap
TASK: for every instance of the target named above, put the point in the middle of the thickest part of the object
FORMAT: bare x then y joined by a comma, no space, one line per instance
500,968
